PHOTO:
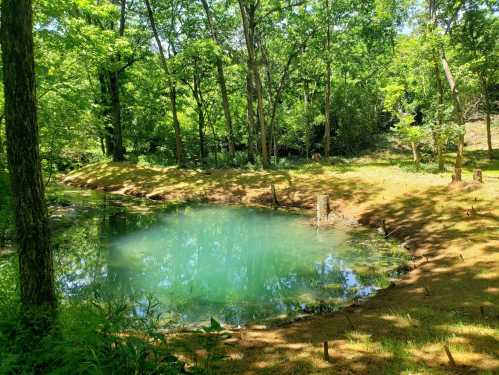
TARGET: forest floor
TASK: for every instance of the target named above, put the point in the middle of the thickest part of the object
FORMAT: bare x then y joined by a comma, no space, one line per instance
450,298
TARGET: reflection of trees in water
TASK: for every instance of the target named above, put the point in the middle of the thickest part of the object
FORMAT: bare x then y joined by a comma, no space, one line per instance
88,263
200,265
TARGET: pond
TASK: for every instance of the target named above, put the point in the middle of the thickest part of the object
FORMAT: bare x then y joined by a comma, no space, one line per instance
235,264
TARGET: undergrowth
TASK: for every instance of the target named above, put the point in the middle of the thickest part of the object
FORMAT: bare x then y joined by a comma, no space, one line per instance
88,337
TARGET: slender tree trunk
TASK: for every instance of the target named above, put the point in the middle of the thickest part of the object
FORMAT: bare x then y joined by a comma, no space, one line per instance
440,88
226,107
488,121
221,80
250,118
436,136
102,145
171,84
1,143
215,142
176,125
415,155
248,15
201,118
114,90
106,111
202,152
489,134
327,106
36,273
459,115
118,154
272,104
438,149
261,119
307,118
275,98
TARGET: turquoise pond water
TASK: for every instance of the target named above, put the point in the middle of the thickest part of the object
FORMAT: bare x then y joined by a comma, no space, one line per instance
235,264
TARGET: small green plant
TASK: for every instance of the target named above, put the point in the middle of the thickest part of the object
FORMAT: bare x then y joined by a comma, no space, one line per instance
89,337
413,135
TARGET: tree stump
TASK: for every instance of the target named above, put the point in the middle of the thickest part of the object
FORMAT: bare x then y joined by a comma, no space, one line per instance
316,157
275,201
322,209
478,176
326,351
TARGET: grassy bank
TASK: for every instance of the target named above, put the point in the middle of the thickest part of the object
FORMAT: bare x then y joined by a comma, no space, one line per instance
450,298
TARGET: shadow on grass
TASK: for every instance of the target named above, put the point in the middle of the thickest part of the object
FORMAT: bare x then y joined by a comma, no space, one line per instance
450,298
231,186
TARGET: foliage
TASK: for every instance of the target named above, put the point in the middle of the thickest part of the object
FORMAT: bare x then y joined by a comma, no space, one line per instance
6,214
90,337
409,133
77,40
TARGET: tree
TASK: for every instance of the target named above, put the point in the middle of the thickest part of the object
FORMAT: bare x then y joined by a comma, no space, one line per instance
221,78
172,90
476,36
114,86
405,127
327,100
248,10
446,13
35,253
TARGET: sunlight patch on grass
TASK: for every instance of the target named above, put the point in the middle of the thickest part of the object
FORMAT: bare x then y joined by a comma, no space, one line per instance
454,230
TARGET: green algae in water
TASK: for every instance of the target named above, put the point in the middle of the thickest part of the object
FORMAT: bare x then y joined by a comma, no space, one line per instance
235,264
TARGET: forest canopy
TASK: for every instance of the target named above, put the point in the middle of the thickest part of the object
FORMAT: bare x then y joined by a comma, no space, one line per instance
214,83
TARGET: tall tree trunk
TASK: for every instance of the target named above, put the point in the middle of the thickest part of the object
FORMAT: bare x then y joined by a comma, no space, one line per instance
176,125
36,273
105,104
415,155
436,136
440,88
250,117
488,109
273,105
248,19
327,106
118,154
490,150
114,90
221,80
1,144
459,115
201,118
202,152
171,84
215,143
275,98
307,118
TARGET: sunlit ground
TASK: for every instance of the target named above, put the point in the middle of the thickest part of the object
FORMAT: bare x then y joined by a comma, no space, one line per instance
450,298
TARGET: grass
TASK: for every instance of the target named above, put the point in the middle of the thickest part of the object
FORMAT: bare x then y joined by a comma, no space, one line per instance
451,297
